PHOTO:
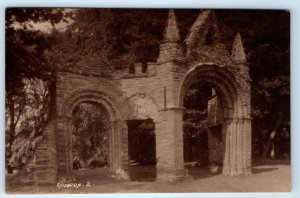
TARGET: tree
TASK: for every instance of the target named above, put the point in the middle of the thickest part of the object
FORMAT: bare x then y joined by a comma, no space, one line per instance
110,39
266,37
24,59
30,123
90,135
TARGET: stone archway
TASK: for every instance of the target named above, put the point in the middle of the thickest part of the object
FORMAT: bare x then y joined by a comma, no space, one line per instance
143,107
236,124
117,132
143,121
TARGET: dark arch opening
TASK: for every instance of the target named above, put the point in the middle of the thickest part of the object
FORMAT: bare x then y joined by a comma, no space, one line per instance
216,92
142,150
202,118
90,128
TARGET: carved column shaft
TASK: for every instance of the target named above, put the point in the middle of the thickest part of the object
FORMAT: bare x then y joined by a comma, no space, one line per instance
117,149
237,159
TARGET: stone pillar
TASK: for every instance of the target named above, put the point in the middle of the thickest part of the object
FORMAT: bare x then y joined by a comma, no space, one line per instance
247,139
214,145
64,150
117,152
124,142
226,135
113,163
169,145
237,159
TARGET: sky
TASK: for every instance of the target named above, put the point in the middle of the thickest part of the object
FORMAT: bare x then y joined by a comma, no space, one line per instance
46,26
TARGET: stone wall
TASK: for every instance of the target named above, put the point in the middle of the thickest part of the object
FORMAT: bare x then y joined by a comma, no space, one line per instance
42,166
157,94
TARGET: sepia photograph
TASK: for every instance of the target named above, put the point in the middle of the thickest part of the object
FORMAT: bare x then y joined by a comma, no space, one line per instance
111,100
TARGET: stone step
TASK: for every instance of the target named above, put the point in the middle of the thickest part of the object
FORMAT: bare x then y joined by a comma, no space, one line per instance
41,153
44,161
41,149
38,168
42,157
42,146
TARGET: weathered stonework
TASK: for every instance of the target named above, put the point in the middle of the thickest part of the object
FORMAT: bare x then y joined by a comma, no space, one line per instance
158,94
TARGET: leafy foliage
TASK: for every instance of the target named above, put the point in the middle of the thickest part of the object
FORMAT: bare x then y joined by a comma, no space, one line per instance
266,37
25,64
90,135
32,116
109,38
195,119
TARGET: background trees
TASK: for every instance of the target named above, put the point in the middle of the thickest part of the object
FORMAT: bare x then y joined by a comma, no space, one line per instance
27,79
114,38
266,37
90,136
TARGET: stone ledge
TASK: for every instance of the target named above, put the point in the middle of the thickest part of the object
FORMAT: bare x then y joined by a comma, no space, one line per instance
173,108
141,75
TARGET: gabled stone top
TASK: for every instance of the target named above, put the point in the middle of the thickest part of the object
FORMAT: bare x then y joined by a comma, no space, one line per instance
238,55
196,28
203,42
171,32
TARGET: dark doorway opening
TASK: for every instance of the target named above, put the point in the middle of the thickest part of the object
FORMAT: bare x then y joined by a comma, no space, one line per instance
141,149
195,116
202,133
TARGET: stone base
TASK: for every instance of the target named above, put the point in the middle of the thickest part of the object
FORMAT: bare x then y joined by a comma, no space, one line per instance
229,171
171,175
119,174
215,168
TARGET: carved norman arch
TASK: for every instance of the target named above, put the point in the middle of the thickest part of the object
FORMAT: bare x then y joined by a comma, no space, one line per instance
236,124
117,133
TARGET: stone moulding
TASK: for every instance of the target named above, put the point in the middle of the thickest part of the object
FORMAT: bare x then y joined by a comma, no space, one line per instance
162,87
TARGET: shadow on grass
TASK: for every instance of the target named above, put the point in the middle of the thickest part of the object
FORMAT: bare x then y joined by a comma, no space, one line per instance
97,176
136,173
142,173
100,175
256,170
270,162
200,173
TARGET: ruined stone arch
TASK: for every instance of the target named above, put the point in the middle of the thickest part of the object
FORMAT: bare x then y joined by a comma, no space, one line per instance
220,78
117,132
100,97
164,87
235,127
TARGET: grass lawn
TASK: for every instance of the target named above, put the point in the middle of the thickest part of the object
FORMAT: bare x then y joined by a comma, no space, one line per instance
272,176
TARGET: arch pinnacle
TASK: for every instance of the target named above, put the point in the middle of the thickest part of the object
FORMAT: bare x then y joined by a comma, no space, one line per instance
171,32
238,55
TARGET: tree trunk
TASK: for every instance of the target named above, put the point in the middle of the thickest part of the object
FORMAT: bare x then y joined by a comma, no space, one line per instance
272,135
11,135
